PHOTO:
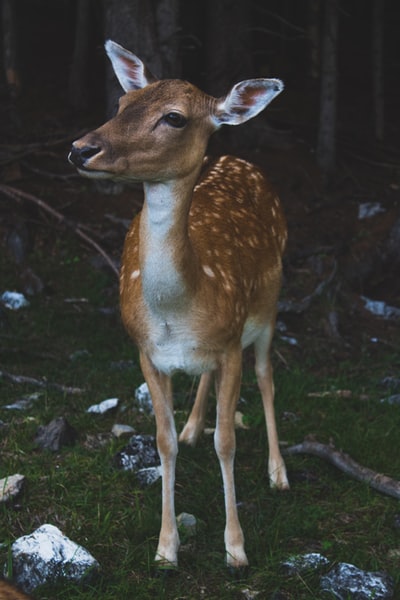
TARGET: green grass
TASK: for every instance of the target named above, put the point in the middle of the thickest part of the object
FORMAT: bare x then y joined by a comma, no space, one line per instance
79,490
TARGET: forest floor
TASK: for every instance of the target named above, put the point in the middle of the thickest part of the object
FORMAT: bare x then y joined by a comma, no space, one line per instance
327,342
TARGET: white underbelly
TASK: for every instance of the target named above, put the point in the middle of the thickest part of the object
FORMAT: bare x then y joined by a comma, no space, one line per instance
172,349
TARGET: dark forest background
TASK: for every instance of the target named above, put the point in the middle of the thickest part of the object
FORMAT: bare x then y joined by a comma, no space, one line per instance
329,142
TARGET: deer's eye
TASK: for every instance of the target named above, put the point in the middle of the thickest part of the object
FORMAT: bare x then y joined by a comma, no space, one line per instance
175,119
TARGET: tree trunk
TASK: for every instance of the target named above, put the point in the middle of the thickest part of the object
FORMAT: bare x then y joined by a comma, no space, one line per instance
78,88
313,35
227,56
147,29
10,47
378,7
326,146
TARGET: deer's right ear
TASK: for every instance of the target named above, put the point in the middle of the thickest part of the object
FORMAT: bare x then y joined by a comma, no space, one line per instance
130,70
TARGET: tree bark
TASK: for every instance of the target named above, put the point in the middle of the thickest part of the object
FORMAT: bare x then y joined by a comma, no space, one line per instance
378,7
227,56
10,51
78,90
326,146
148,29
313,35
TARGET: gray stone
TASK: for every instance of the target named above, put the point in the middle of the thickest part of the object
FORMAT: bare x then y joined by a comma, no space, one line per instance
187,524
140,453
47,555
347,582
56,434
148,476
143,399
119,430
13,300
11,486
103,406
304,562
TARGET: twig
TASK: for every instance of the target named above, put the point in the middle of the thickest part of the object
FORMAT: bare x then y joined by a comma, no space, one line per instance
285,306
15,193
378,481
40,383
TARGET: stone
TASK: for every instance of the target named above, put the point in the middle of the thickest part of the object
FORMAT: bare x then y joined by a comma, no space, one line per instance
103,406
140,453
301,563
13,300
347,582
119,430
148,476
46,555
143,399
187,524
56,434
11,486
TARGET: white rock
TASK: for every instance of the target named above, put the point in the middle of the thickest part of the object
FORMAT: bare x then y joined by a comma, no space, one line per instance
143,399
11,486
301,563
148,476
119,430
367,210
47,555
347,581
104,406
13,300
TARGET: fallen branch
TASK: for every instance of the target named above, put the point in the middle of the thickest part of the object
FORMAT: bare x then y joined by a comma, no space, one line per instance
15,193
42,383
378,481
285,306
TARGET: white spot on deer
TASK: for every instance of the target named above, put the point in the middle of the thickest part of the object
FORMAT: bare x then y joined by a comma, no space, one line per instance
135,274
208,271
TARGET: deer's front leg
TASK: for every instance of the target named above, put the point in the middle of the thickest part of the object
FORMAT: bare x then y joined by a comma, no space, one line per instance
228,388
167,444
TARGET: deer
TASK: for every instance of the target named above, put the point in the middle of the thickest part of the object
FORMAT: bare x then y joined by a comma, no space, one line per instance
201,266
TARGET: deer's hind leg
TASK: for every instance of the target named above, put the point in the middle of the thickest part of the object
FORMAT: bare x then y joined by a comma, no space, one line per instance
276,466
195,423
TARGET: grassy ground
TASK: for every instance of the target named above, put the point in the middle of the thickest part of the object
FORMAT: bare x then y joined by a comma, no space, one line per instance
80,491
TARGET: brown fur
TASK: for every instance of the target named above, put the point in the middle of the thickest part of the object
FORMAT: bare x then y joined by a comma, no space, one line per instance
9,592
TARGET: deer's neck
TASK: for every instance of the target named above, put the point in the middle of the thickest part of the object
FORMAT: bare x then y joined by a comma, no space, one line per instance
166,254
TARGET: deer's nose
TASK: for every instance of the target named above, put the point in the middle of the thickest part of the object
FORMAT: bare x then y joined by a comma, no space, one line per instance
79,156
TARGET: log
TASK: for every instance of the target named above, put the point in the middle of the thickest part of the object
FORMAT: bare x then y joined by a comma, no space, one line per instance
378,481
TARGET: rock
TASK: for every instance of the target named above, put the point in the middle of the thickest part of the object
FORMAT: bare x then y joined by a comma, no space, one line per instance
187,524
24,402
347,582
121,430
366,210
140,453
394,399
47,555
103,406
380,308
56,434
13,300
304,562
143,399
11,486
148,476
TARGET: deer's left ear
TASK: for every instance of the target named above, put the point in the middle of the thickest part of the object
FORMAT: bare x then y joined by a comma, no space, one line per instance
245,100
132,73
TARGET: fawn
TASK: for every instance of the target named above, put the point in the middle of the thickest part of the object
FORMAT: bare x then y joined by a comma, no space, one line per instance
201,265
9,592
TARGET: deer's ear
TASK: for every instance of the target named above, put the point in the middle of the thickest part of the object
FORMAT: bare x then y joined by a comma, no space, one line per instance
130,70
245,100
